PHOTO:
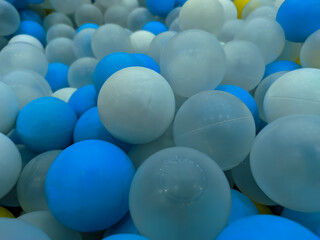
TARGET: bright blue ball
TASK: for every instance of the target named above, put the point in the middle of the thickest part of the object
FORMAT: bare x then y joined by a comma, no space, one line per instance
245,97
155,27
180,3
87,25
87,186
111,64
34,29
125,226
279,66
83,99
148,62
299,19
160,8
242,206
126,237
57,76
89,126
265,227
46,124
27,14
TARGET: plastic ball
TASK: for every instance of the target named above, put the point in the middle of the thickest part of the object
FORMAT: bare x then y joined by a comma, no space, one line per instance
66,7
125,225
17,229
113,172
230,29
57,76
298,25
253,5
82,43
56,18
267,34
278,162
111,64
23,55
174,13
268,11
60,30
240,4
64,93
61,50
86,26
126,237
310,51
27,14
140,41
83,99
9,19
4,213
117,14
10,160
138,18
229,9
88,13
160,8
218,124
34,29
265,227
184,183
9,108
37,134
3,42
81,72
27,85
110,38
207,15
193,61
296,92
148,62
49,225
24,38
155,27
245,64
279,66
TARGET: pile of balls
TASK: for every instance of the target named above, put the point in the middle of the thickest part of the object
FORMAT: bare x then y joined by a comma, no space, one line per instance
159,119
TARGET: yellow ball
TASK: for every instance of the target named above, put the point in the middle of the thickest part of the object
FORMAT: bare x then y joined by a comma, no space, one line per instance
240,4
5,213
263,209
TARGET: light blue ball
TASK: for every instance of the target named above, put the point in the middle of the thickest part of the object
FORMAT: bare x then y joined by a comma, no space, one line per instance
279,66
46,124
160,8
266,227
155,27
34,29
87,25
148,62
83,99
87,186
27,14
126,237
57,76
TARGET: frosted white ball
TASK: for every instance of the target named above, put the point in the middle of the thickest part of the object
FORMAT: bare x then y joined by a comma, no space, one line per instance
24,38
138,18
267,34
82,43
296,92
133,101
116,14
245,64
9,18
68,6
310,50
61,50
264,11
175,25
60,30
56,18
172,16
141,40
290,52
207,15
81,72
64,93
88,13
229,9
253,5
230,29
193,61
129,4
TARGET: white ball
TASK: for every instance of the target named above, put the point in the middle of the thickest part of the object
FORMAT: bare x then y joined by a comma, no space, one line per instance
252,5
290,52
61,50
138,18
133,101
310,51
116,14
64,93
24,38
229,9
56,18
9,19
82,43
230,29
60,30
88,13
264,11
67,7
81,72
141,40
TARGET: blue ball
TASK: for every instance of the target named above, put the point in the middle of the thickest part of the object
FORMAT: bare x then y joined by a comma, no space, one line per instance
265,227
14,137
242,206
126,237
34,29
83,99
46,124
89,126
35,1
87,186
57,76
299,19
279,66
27,14
148,62
20,4
87,25
125,226
179,3
160,8
155,27
245,97
111,64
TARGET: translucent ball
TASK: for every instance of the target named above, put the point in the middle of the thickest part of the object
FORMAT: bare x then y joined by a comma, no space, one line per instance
253,5
193,61
175,26
117,15
17,229
160,8
229,9
110,38
88,13
83,99
130,4
34,130
61,50
60,30
279,66
81,72
49,225
126,237
207,15
278,162
56,18
24,38
265,227
57,76
230,30
138,18
27,85
30,187
267,34
23,55
82,43
218,124
141,40
245,64
64,93
143,90
106,191
291,51
310,50
268,11
184,183
9,19
10,160
296,92
9,108
174,13
67,7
